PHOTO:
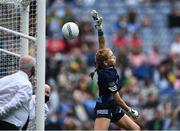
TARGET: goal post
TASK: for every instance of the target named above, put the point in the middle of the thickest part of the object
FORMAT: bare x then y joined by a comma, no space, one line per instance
22,23
40,92
25,26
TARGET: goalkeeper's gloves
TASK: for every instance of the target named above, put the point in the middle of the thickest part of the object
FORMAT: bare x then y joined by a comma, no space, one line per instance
97,19
133,113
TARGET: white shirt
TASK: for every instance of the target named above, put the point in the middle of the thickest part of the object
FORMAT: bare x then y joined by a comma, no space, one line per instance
15,95
175,48
32,116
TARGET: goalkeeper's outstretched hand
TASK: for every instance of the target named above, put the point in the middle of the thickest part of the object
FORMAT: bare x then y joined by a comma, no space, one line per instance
97,19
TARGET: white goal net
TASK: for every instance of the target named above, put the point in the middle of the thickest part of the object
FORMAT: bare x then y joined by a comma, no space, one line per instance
11,17
9,43
22,32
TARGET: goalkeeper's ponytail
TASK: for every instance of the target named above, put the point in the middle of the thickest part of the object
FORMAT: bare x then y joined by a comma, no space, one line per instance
92,74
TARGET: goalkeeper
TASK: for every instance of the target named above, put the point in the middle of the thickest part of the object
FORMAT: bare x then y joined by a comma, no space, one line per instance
109,104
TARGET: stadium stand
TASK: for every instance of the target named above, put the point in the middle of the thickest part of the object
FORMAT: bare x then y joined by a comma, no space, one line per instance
149,71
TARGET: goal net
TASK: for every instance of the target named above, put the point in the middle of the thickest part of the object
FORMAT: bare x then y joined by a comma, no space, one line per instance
22,32
11,44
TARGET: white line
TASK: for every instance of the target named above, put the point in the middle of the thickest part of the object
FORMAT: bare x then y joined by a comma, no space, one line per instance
8,52
18,33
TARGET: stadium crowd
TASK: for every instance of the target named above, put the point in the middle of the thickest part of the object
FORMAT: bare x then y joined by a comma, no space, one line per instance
150,79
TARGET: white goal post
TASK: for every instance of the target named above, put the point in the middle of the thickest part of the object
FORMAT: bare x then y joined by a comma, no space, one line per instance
15,31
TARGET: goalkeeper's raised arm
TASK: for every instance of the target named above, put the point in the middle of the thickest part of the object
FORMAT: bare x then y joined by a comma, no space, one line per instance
99,27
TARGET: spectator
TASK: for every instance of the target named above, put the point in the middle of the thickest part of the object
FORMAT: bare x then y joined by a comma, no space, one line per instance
90,55
71,44
147,88
133,25
177,81
55,46
174,17
120,39
131,94
135,40
152,101
137,57
176,118
148,107
157,123
77,61
138,62
122,58
87,34
175,47
15,95
154,57
62,76
146,22
32,105
68,16
168,112
54,25
121,23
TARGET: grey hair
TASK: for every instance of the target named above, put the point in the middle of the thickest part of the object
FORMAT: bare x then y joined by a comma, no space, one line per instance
28,65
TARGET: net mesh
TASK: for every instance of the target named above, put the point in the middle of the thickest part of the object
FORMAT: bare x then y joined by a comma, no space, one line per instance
10,18
33,32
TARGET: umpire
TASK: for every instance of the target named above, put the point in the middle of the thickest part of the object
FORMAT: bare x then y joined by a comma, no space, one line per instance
15,95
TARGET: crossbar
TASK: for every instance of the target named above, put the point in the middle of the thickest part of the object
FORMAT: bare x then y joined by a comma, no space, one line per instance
18,33
10,53
10,1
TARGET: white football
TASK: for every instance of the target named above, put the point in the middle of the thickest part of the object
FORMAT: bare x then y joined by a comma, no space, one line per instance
70,30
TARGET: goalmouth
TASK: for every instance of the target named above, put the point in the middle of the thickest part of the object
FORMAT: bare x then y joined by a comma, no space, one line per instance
22,29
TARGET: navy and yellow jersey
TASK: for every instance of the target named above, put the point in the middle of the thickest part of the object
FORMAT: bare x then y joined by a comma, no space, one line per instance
106,106
108,82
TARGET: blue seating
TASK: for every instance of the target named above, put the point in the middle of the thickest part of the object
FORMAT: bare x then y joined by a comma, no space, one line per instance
110,9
